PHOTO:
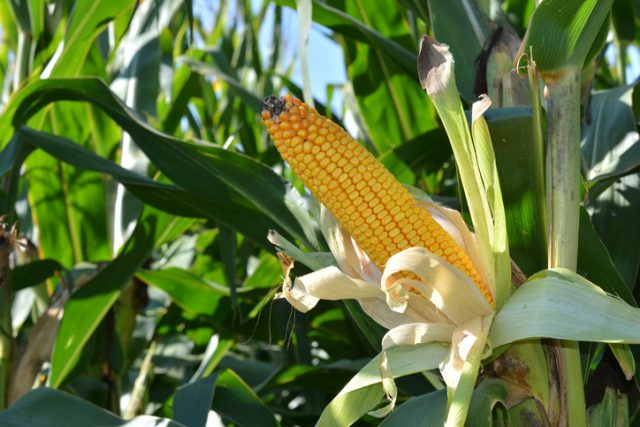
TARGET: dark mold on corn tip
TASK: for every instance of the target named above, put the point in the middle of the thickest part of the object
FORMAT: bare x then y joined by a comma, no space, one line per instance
273,104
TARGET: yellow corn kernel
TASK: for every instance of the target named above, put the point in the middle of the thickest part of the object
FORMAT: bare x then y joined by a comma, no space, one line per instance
397,203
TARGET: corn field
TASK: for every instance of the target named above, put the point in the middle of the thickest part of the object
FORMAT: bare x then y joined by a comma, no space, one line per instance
319,212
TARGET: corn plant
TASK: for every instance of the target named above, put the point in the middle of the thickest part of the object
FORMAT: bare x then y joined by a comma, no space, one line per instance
190,237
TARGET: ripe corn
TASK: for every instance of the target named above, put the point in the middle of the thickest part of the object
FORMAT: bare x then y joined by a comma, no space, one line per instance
380,214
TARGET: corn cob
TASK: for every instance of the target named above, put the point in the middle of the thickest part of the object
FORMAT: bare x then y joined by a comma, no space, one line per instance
380,214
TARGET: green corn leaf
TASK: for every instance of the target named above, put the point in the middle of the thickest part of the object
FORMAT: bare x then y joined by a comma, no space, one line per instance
595,263
553,304
33,273
88,305
412,412
214,172
611,152
521,172
88,20
612,410
561,33
234,400
46,407
192,402
162,196
464,28
187,290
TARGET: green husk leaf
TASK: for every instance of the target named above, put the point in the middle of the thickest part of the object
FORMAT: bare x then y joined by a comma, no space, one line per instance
364,391
491,395
486,164
460,400
436,73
